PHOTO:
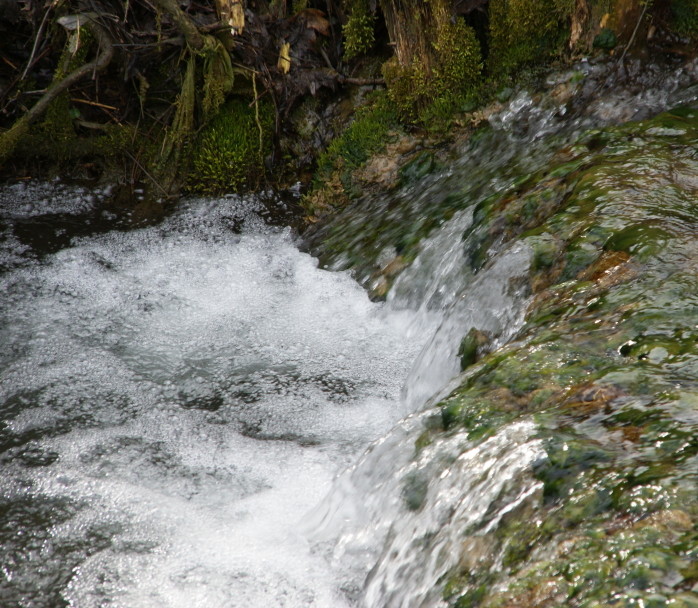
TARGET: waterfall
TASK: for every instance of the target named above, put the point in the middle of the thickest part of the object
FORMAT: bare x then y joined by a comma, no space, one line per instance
198,413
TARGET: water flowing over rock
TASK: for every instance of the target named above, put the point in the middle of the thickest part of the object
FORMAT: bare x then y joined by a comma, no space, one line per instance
198,414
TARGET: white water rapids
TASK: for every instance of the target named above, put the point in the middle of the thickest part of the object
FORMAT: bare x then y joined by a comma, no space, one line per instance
177,401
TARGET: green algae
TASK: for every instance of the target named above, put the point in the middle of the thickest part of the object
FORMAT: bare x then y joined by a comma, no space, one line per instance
607,365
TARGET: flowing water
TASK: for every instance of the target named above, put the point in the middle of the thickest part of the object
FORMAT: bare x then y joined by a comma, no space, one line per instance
174,400
198,414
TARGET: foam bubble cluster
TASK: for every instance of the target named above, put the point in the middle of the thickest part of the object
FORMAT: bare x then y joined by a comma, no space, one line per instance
174,399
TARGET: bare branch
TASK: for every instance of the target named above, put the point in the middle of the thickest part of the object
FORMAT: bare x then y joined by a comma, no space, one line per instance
9,139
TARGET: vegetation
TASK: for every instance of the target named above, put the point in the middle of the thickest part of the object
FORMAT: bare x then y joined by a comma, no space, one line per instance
175,69
229,152
358,31
368,132
524,31
451,75
685,16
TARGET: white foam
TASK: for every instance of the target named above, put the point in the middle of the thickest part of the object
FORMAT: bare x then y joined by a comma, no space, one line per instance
201,389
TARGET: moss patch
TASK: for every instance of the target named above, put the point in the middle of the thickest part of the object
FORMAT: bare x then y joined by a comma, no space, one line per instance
525,31
229,152
367,134
685,17
421,90
358,31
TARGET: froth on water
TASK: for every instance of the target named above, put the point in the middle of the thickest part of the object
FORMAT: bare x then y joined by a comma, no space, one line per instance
174,400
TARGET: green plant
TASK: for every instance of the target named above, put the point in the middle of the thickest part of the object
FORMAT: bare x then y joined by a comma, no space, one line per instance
364,136
358,30
229,152
524,31
420,91
685,17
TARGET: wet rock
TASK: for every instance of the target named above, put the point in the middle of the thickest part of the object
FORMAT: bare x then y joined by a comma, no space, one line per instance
606,39
472,346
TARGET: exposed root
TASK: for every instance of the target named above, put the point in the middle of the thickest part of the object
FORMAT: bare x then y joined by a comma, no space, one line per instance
9,139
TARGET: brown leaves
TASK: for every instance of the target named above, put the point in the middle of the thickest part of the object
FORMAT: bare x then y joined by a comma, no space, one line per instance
314,19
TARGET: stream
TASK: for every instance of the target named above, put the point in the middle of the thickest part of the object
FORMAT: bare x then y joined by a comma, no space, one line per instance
200,414
175,399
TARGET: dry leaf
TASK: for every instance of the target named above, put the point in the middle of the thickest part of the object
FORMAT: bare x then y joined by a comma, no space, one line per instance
315,20
284,63
232,14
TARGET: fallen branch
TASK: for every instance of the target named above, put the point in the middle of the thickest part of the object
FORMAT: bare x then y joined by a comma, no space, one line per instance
361,81
9,139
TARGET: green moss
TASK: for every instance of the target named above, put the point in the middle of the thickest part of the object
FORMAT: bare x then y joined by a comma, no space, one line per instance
419,167
367,134
606,366
685,17
420,91
605,39
218,75
226,155
471,347
524,31
358,31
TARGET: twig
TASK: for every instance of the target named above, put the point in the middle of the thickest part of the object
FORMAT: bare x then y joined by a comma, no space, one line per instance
326,58
256,117
361,81
175,41
637,27
257,97
93,103
142,168
8,62
38,37
98,126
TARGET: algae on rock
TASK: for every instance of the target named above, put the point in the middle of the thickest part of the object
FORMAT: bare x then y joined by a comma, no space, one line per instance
606,365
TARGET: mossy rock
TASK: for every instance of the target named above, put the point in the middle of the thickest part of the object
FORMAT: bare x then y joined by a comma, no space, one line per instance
606,366
606,39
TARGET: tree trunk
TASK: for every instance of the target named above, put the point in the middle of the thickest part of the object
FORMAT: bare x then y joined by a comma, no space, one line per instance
411,25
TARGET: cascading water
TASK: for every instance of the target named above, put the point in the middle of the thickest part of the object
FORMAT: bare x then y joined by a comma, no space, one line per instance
196,414
175,398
